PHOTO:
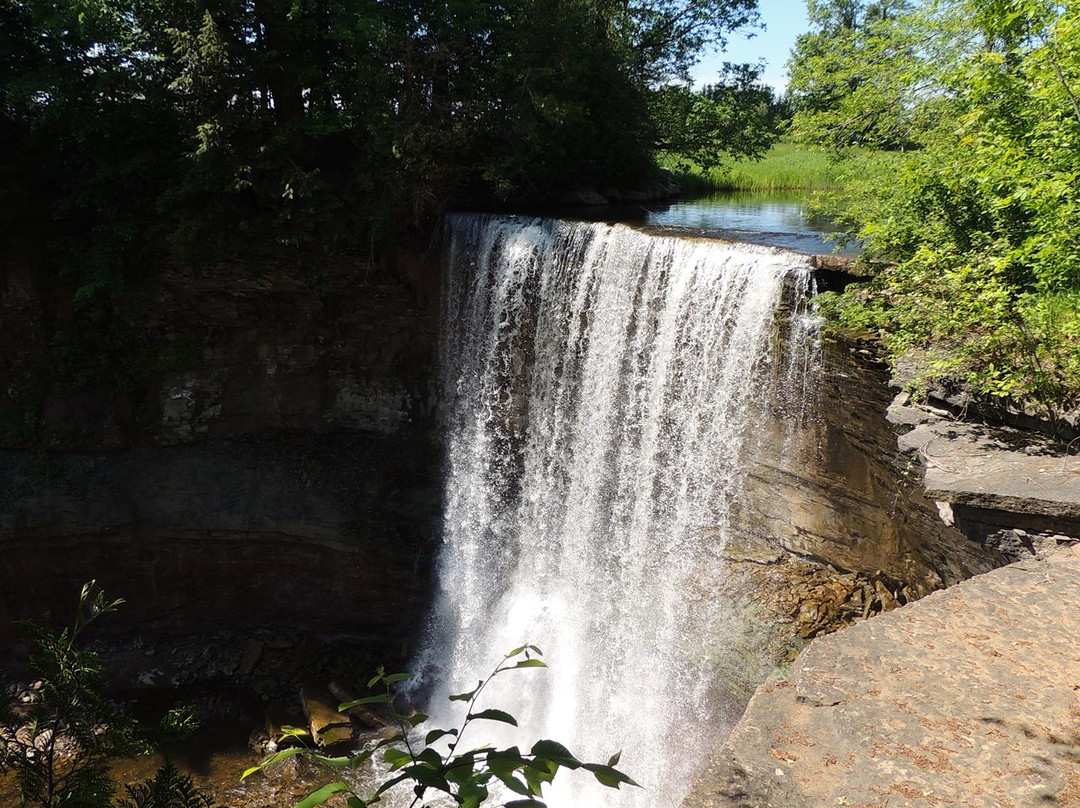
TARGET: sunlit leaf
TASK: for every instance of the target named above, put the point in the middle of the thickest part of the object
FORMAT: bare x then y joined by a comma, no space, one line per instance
608,776
284,753
493,715
381,698
321,795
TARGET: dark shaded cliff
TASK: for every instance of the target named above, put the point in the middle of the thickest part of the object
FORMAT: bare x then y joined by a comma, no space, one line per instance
283,470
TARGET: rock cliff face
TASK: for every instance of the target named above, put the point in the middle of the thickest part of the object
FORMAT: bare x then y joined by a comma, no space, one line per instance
232,350
284,471
286,465
829,485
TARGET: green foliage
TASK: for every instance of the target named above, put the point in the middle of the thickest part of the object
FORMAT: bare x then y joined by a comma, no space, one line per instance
60,750
468,777
73,728
103,344
19,419
137,130
168,788
739,116
136,133
978,227
858,78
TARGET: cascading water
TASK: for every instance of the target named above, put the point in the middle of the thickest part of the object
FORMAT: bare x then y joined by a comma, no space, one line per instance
600,387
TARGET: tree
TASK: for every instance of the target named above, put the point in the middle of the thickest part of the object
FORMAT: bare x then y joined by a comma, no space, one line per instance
980,226
858,79
195,124
136,134
737,117
60,754
60,749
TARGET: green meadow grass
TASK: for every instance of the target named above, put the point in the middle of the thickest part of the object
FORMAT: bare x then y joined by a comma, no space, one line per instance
786,167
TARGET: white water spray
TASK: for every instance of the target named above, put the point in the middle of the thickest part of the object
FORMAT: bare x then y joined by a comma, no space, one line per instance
601,385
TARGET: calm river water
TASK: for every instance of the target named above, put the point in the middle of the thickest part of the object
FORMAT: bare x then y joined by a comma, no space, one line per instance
779,220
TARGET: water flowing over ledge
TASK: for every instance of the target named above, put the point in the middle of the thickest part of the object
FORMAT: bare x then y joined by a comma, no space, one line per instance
601,385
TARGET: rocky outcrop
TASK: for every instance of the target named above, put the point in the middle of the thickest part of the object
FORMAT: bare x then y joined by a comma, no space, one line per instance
230,350
272,459
851,499
1013,491
967,697
964,697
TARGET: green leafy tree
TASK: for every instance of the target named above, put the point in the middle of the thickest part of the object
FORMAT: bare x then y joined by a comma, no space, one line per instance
858,79
738,117
977,230
469,777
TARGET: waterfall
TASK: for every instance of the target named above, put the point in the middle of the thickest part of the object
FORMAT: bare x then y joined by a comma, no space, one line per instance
601,386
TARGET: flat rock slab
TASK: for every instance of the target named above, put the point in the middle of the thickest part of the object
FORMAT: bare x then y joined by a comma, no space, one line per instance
990,467
968,697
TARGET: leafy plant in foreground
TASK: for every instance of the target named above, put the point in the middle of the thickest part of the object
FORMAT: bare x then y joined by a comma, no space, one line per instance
60,748
60,752
468,777
166,789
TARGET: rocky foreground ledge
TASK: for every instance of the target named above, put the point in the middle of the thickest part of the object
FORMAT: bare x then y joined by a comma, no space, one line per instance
968,697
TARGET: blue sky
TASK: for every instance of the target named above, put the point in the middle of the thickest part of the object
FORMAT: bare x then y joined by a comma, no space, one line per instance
784,20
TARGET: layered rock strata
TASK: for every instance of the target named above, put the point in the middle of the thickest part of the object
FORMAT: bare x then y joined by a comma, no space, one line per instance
273,459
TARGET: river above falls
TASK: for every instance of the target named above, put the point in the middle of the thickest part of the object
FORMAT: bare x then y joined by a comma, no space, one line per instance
775,219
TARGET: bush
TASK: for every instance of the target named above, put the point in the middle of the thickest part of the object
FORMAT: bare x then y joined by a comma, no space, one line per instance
467,777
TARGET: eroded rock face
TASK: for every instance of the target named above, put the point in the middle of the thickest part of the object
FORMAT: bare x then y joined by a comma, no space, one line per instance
967,697
829,485
329,531
279,467
227,351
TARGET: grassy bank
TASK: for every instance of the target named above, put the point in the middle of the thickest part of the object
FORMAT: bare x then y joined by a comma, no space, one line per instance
785,167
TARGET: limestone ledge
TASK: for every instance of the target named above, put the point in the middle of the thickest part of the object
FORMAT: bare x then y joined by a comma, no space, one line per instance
968,697
1011,490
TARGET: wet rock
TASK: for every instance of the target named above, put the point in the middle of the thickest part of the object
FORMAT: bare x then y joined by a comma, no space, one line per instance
850,499
328,726
584,196
252,654
261,743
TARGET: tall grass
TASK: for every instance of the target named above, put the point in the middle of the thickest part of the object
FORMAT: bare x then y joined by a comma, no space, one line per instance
786,167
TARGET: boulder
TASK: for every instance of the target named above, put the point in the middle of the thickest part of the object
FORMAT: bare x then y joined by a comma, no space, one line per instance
328,726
